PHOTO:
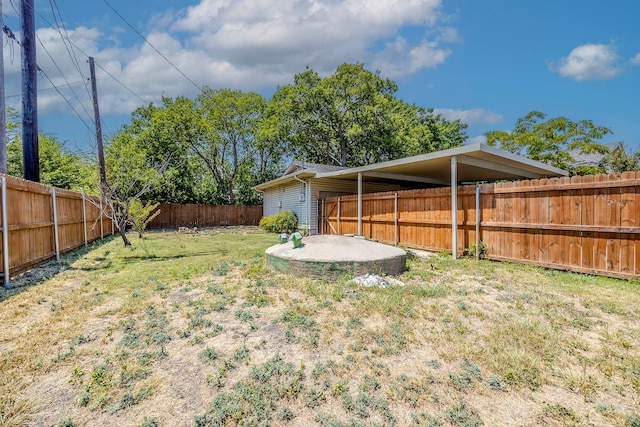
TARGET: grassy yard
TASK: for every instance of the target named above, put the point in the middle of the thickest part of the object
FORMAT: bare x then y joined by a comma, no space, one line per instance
192,330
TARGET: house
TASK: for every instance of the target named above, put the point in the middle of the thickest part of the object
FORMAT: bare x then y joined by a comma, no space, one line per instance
304,185
301,186
595,160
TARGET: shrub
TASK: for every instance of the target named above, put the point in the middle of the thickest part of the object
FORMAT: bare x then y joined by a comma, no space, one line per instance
141,215
283,222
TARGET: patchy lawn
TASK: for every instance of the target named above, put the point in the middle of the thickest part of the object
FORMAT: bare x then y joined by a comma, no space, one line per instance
193,330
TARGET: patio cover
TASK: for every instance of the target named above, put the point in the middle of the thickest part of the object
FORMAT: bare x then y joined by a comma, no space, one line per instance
466,164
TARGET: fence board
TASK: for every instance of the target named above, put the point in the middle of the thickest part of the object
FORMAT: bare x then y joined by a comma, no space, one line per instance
587,224
192,215
30,223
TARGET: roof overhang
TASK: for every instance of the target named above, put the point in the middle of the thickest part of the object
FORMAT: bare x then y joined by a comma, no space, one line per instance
305,173
476,163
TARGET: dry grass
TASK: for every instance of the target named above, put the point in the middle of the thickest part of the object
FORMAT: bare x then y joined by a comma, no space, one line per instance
192,330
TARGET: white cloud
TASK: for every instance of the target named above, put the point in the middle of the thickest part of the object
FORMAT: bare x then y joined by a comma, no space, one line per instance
589,62
636,59
240,44
470,117
278,37
399,58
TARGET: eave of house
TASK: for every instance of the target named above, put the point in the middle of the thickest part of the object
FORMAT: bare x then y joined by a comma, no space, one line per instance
286,179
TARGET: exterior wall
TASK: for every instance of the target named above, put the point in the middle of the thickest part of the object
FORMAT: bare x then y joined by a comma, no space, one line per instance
287,197
340,187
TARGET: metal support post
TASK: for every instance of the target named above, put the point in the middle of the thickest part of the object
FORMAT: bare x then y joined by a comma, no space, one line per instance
359,204
5,233
396,239
84,218
101,217
454,207
477,223
323,213
339,224
56,240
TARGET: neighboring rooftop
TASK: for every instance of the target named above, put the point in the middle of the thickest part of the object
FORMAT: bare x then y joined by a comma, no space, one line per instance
298,165
593,159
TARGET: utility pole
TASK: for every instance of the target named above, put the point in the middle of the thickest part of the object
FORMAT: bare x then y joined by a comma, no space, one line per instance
30,156
96,113
3,109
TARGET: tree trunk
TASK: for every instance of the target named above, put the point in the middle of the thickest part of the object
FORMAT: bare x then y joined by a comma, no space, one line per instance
122,229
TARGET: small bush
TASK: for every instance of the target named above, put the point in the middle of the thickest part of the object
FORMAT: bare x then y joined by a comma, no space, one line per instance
283,222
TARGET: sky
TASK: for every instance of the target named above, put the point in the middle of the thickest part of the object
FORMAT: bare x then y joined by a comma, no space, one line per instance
486,63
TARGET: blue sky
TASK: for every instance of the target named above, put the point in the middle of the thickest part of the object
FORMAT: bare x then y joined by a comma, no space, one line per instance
485,62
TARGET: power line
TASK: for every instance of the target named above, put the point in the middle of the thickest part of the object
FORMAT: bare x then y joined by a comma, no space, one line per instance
70,51
63,76
121,84
67,101
8,31
149,43
85,54
97,64
48,88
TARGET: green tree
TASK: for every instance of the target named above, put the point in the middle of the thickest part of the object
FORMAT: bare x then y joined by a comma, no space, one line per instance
549,141
59,167
140,215
352,118
131,175
620,161
227,142
161,131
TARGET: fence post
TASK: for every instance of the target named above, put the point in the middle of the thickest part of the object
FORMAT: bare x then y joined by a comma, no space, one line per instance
322,216
84,218
339,226
56,241
477,222
396,240
5,234
101,226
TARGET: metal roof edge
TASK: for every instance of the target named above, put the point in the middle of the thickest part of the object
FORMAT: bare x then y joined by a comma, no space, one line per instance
304,173
521,159
456,151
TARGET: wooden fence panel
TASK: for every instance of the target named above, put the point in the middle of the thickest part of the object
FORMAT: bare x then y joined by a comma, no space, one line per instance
30,223
193,215
587,224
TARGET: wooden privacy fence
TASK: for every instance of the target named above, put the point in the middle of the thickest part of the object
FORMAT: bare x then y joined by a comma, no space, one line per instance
39,223
191,215
588,224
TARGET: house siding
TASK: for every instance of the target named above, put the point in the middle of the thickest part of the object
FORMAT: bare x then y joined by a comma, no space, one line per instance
287,198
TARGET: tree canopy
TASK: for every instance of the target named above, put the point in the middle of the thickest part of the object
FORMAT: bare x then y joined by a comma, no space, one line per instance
59,166
352,118
550,141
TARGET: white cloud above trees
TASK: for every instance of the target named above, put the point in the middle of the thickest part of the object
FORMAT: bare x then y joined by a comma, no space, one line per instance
245,44
470,117
589,62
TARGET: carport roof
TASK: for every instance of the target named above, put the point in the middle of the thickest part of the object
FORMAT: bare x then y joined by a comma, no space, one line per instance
477,162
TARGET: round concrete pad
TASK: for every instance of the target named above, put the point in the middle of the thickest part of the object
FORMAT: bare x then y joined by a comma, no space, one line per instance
331,256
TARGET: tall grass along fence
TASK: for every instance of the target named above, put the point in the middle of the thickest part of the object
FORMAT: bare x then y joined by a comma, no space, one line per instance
588,224
191,215
39,223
